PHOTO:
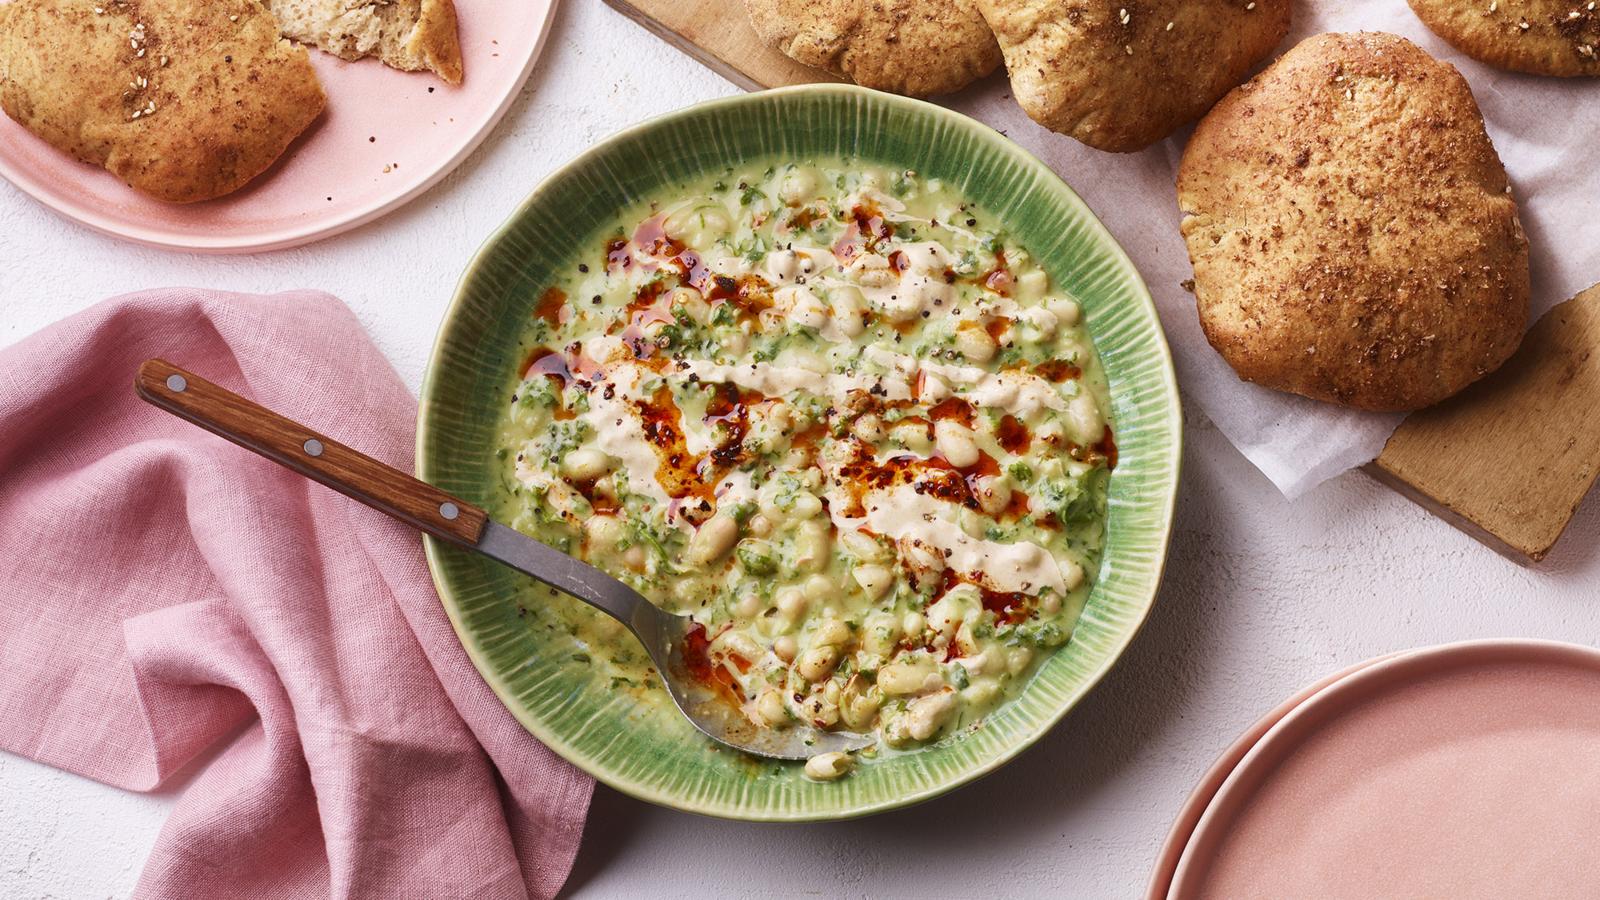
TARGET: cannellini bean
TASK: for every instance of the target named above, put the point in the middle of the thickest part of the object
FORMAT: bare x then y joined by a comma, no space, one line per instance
797,185
848,306
813,542
1084,422
879,634
904,305
1043,320
947,615
806,505
738,642
1071,575
874,580
926,716
1050,603
782,265
820,711
690,301
912,435
785,648
831,633
1067,312
863,546
804,309
934,388
1031,284
714,539
980,694
634,558
1017,659
604,532
925,562
964,642
585,464
908,676
819,587
792,603
748,606
828,766
871,270
994,493
817,663
956,443
913,623
759,525
769,708
858,704
868,427
975,344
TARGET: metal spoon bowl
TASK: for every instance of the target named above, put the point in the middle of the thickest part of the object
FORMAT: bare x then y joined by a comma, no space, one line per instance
436,512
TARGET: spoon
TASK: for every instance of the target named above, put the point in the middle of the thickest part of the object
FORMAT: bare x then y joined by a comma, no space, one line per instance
432,511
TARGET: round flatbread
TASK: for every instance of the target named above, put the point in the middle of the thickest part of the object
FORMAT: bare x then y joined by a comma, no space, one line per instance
185,100
1352,230
916,47
1544,37
1121,76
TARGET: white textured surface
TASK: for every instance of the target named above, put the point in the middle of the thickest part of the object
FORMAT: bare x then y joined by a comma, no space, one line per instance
1261,597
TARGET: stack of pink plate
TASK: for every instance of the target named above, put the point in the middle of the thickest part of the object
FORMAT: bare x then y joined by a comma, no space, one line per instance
1465,770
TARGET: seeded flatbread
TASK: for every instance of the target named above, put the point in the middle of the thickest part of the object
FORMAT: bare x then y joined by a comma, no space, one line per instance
916,47
1121,76
1543,37
1352,230
185,100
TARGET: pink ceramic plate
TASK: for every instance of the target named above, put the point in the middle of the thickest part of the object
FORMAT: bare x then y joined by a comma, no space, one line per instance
1467,770
1195,806
386,137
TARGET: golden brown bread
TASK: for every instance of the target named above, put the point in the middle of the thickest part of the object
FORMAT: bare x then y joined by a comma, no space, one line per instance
411,35
184,100
1544,37
916,47
1352,230
1121,76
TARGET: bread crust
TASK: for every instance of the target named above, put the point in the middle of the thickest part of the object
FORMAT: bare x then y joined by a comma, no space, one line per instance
1541,37
916,47
437,41
1352,230
185,100
1120,77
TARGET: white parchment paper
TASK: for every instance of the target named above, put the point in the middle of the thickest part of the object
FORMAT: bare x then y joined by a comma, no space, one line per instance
1546,129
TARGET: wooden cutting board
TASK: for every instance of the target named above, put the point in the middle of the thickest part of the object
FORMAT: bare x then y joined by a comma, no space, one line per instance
1508,461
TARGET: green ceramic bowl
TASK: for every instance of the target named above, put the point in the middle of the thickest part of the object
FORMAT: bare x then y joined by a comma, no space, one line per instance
649,751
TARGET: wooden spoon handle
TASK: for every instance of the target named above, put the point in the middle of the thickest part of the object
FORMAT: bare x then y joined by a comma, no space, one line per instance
294,446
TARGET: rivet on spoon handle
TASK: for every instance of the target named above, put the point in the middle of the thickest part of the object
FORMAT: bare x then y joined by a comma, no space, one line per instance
315,456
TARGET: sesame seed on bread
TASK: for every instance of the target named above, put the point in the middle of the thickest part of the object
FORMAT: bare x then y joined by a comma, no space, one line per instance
1542,37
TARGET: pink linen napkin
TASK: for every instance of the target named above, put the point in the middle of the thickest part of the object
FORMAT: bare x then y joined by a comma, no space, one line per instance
168,594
